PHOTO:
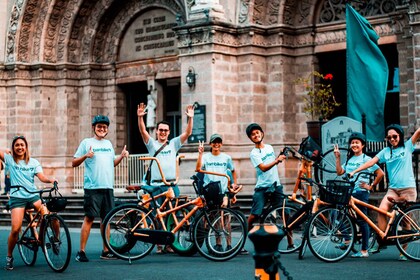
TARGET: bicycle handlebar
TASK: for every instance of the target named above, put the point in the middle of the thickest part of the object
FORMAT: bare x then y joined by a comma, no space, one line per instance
346,178
160,169
222,175
40,192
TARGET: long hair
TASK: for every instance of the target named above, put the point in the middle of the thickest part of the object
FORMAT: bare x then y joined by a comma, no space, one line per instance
26,156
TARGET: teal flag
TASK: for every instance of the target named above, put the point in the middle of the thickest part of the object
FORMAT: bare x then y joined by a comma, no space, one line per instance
367,75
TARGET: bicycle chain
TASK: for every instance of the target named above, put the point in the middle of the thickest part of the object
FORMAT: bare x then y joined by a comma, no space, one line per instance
276,260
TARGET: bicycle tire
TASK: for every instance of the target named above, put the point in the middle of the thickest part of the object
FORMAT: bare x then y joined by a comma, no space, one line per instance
303,247
183,244
56,242
409,246
117,231
325,169
28,244
281,217
327,230
220,225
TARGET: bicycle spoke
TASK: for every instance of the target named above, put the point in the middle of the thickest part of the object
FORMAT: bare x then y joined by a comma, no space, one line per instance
56,243
407,226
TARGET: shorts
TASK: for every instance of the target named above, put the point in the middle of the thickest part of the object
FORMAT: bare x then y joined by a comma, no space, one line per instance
16,202
410,194
97,203
260,197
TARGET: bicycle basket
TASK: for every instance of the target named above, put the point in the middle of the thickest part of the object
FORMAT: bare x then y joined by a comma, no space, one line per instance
310,148
213,194
56,203
336,192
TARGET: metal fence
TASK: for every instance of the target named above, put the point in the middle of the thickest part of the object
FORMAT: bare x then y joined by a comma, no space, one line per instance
129,172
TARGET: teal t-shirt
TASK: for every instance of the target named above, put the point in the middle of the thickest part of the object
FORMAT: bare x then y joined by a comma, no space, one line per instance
220,164
22,174
99,170
353,163
265,156
166,157
399,165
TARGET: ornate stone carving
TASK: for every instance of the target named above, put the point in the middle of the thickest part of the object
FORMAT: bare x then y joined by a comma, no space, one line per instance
243,11
51,33
13,27
37,31
28,16
273,11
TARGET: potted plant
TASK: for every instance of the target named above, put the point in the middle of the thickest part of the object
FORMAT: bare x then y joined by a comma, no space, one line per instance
319,101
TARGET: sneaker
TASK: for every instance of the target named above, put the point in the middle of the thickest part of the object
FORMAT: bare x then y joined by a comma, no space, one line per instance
244,252
108,256
9,263
81,257
360,255
291,247
228,248
218,248
402,258
376,248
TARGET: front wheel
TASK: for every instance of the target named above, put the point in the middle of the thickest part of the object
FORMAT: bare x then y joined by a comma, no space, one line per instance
407,226
219,234
119,231
27,243
284,216
330,234
56,243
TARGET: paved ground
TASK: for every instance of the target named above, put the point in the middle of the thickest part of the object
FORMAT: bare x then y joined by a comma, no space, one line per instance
381,266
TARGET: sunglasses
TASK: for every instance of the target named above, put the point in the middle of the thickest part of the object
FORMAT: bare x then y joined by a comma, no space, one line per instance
18,137
163,130
389,137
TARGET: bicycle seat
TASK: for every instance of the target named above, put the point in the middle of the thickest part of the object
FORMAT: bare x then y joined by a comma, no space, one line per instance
133,188
401,201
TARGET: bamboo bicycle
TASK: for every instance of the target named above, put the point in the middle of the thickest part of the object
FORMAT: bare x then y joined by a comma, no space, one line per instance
53,235
133,228
336,224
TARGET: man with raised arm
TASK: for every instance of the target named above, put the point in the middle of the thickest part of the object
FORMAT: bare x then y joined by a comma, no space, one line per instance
167,155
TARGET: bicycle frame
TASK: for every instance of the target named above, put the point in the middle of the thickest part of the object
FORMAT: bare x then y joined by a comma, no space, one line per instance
35,221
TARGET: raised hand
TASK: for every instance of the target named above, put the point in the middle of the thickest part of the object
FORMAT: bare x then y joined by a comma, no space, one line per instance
141,110
124,152
200,147
336,151
190,111
90,154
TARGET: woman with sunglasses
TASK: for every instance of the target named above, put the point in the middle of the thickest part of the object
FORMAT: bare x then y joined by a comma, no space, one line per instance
397,157
22,170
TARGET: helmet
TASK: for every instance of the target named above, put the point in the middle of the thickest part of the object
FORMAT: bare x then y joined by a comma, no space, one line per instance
252,127
56,204
357,135
100,119
398,128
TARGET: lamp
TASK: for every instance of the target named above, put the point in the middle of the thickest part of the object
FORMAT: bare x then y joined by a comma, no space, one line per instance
190,78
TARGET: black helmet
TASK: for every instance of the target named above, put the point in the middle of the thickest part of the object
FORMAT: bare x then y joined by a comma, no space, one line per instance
398,128
357,135
56,204
100,119
252,127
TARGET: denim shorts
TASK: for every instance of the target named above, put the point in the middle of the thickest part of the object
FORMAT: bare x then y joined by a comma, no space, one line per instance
15,202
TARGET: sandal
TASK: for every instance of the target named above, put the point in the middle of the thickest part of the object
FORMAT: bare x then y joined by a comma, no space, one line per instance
168,250
160,251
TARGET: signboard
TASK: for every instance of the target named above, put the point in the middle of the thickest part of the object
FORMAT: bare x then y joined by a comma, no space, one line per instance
199,127
150,35
337,131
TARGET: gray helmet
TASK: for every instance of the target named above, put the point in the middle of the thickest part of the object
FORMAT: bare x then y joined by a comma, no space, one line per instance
100,119
357,135
252,127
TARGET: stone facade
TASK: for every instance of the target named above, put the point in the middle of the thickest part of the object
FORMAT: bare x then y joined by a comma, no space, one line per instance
60,64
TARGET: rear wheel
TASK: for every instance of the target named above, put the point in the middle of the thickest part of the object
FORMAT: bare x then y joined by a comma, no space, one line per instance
408,225
118,233
219,234
282,217
330,234
27,243
56,243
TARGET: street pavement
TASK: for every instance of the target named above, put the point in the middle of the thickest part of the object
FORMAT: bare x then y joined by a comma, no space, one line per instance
381,266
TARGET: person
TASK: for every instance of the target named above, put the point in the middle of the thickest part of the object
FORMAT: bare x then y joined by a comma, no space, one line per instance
265,163
218,162
397,157
356,157
98,155
6,181
22,170
167,156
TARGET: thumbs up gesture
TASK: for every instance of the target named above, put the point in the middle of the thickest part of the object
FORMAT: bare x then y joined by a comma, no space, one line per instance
124,152
90,154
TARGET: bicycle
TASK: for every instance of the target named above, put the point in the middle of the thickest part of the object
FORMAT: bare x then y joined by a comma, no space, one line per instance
336,224
53,235
133,228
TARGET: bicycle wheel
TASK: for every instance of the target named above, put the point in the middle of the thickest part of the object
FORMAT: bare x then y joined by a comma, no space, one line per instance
330,234
219,234
117,231
407,226
27,243
56,243
282,217
325,170
183,244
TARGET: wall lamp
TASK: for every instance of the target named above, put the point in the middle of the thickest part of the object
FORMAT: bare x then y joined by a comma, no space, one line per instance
191,77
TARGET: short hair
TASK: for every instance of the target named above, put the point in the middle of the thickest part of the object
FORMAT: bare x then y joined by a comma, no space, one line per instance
163,122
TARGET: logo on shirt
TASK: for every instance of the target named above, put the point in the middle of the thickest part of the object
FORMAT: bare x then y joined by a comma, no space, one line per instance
267,156
25,169
223,164
104,150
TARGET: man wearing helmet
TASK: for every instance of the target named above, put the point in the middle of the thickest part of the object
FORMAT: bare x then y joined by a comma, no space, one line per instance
167,155
99,157
265,161
398,160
